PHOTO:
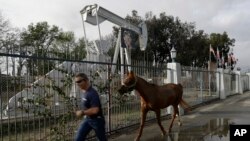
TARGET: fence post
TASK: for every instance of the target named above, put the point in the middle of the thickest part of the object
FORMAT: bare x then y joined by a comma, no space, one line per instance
248,74
220,81
109,78
173,73
174,76
239,88
227,82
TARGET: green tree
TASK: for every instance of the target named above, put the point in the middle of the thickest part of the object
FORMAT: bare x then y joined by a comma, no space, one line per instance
196,52
160,34
165,33
63,45
42,41
4,29
79,51
38,41
66,46
9,44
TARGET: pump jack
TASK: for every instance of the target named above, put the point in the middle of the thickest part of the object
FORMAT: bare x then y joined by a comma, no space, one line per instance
95,15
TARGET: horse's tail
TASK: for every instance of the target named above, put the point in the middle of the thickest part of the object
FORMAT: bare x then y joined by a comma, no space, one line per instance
181,88
183,103
179,84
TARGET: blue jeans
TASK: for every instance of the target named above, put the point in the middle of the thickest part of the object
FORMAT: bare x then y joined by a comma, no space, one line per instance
97,124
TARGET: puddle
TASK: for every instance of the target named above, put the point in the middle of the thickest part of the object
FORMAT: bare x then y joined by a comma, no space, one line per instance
214,130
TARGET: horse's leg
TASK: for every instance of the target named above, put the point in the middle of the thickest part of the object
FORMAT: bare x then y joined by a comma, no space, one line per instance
179,118
143,118
158,116
173,117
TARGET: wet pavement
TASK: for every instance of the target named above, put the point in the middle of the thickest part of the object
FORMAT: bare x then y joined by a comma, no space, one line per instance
207,123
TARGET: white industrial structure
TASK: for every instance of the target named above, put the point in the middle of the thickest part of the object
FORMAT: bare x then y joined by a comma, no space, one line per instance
95,15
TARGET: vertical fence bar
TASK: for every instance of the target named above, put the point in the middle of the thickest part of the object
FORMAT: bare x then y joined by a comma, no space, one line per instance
201,85
1,105
109,66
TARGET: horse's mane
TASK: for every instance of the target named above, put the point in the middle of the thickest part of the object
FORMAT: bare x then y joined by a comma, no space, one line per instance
152,84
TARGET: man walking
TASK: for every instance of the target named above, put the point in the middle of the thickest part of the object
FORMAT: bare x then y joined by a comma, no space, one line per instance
91,108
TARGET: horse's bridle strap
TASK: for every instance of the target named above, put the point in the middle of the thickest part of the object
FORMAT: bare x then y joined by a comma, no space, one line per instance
132,85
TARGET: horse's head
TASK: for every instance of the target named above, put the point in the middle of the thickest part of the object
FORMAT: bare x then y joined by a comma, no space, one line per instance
128,83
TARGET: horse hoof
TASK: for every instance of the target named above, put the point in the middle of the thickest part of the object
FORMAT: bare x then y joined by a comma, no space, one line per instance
164,133
136,139
179,123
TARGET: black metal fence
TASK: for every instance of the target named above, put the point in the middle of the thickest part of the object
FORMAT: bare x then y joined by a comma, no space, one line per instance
38,104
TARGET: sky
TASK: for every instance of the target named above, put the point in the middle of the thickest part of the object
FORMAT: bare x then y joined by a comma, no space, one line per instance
213,16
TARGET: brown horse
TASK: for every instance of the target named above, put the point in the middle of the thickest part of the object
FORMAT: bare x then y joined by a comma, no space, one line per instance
155,98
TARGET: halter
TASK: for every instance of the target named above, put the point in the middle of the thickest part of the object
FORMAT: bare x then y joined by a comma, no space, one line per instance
132,85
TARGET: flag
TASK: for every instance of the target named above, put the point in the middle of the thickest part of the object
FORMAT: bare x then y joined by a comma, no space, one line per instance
233,59
222,60
218,53
153,62
212,55
229,59
212,58
212,50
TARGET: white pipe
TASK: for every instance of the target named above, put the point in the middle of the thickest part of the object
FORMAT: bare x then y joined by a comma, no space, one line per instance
127,55
97,20
122,64
117,46
85,35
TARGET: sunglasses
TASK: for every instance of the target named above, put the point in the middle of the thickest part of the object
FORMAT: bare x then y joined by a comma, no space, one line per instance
79,81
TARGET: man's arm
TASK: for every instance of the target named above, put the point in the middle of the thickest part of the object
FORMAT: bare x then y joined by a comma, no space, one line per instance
91,111
88,112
